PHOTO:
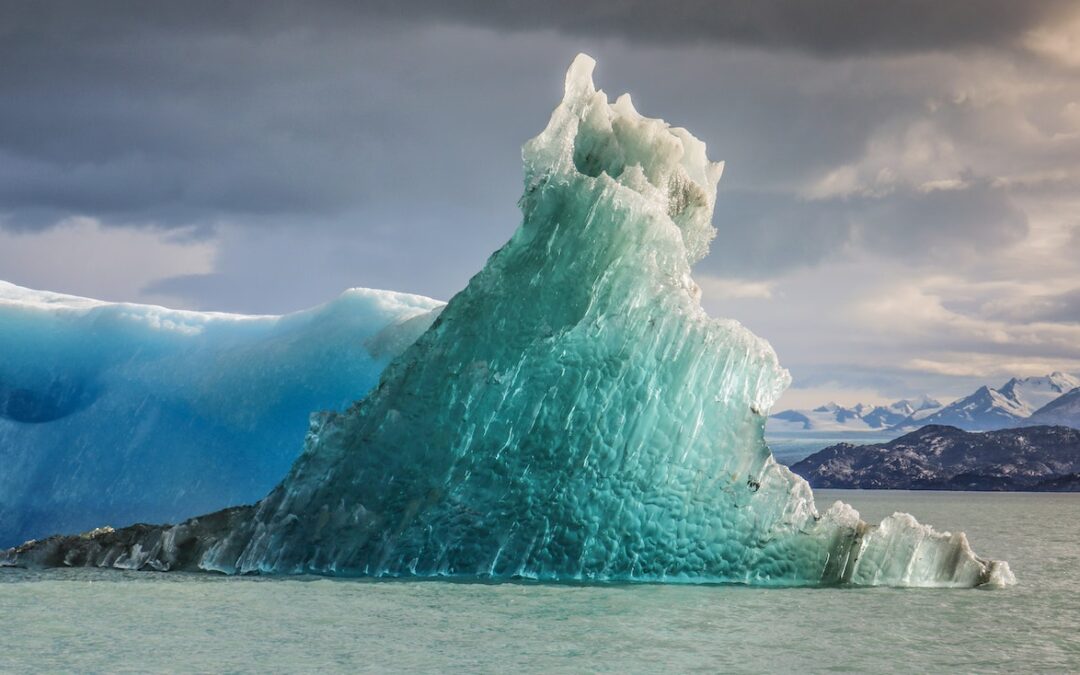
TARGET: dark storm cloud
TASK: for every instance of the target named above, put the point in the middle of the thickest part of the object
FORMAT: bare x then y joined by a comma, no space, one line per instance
762,233
915,223
321,145
198,112
1064,308
1052,308
830,27
355,134
379,141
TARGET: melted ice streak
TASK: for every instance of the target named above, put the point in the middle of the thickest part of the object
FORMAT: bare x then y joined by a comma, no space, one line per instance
572,414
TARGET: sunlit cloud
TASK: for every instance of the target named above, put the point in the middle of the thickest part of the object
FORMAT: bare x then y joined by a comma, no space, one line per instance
1059,41
714,287
988,367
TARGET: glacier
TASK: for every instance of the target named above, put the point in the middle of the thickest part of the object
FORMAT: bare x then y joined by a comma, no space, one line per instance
117,413
572,414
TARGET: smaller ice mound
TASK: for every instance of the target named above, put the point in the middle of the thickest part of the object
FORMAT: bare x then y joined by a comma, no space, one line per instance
115,413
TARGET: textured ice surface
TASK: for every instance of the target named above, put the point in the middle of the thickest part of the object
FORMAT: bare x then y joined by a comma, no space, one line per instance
114,413
572,414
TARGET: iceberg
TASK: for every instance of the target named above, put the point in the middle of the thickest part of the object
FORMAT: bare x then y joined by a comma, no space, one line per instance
572,414
117,413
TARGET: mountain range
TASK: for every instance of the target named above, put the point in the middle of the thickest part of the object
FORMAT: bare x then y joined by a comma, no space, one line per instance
860,417
1050,399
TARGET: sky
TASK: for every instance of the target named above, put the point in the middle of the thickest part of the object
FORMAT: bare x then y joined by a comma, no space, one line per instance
899,212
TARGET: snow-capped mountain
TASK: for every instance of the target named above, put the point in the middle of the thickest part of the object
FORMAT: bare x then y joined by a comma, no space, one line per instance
884,417
1008,406
829,417
1035,393
860,417
1062,411
1050,399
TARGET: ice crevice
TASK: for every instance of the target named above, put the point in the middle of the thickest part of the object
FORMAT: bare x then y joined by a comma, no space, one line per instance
572,413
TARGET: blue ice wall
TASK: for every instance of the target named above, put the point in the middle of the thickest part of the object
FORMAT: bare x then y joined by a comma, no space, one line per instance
118,413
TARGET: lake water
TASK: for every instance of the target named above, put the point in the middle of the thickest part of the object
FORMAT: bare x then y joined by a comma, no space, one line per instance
91,620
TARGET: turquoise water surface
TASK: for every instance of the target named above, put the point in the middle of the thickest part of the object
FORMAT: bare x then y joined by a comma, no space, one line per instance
109,621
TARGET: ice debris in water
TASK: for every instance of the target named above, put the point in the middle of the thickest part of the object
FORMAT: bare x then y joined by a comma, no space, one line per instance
120,413
572,414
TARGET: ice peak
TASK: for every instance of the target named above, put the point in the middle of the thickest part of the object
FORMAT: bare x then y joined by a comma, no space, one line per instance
654,167
579,80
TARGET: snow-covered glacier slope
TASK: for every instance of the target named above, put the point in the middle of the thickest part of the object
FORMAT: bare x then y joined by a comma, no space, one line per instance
1063,411
113,413
573,413
858,418
1007,406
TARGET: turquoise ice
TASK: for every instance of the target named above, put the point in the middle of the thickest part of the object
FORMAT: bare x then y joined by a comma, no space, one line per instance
573,414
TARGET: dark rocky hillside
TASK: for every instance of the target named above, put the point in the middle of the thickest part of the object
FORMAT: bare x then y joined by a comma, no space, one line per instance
1042,458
